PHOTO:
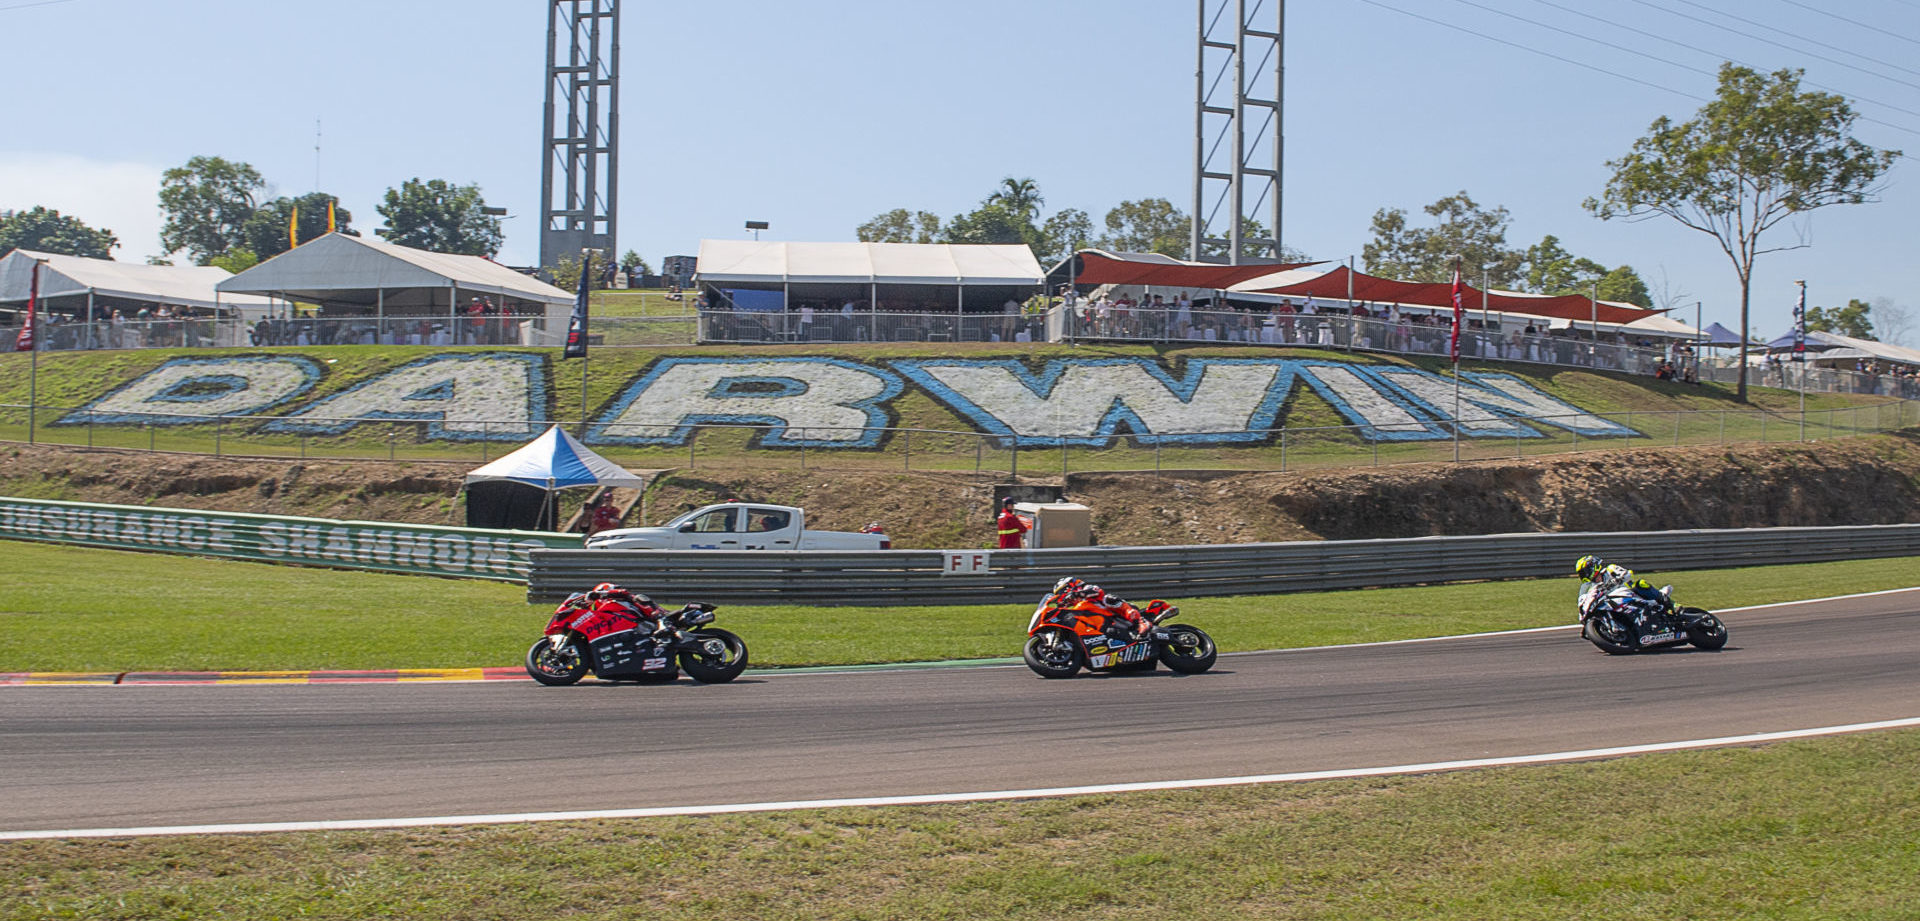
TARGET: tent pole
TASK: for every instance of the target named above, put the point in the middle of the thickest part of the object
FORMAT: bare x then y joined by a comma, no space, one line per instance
547,511
91,342
379,315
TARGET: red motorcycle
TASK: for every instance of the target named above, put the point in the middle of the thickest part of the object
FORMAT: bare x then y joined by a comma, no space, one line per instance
626,637
1066,635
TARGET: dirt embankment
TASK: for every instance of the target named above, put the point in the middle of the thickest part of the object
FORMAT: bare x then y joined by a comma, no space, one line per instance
1872,480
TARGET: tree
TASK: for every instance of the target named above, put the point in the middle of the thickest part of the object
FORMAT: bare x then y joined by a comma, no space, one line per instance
1474,235
1150,225
44,230
1851,320
566,272
1760,152
1252,228
1065,232
991,223
1549,269
1891,320
266,231
900,226
1020,196
1624,285
207,204
633,264
235,260
440,217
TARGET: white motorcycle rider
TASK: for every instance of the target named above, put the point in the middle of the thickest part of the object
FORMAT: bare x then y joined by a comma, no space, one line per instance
1622,613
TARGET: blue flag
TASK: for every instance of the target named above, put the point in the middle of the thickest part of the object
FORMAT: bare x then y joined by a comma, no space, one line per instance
577,326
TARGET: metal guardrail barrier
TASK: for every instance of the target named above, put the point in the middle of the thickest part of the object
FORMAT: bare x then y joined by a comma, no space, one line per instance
469,553
919,577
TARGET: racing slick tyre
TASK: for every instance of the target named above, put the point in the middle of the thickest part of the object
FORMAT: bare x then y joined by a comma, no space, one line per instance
1608,636
555,667
717,658
1053,654
1188,650
1707,632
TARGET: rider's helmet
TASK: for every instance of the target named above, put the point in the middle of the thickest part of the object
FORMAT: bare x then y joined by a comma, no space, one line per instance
604,590
1588,566
1069,586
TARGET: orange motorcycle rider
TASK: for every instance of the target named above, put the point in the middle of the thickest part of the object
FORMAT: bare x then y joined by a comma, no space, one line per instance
1071,589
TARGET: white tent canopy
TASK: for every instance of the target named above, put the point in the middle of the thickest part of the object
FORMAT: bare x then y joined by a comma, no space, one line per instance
754,262
77,276
556,460
342,269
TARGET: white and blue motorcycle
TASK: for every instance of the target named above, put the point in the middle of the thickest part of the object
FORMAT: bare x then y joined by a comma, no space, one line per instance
1620,619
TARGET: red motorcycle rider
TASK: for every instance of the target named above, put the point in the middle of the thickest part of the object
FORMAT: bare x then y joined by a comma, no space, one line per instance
1110,605
608,600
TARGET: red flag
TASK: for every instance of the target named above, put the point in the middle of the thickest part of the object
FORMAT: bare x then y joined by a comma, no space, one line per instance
24,342
1459,311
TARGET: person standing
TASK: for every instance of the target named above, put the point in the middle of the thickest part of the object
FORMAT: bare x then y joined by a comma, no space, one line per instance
1012,526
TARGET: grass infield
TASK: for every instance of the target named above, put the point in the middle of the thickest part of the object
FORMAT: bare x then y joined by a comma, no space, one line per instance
1803,831
74,609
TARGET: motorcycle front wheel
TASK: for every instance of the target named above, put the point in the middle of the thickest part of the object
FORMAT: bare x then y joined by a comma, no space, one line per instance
717,656
1052,654
1606,635
1705,631
555,667
1188,650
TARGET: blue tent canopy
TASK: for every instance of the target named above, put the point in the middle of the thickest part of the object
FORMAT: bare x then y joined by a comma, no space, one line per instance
1720,335
556,460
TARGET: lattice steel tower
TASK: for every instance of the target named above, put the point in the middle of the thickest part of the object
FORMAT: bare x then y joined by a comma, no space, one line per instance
580,176
1229,160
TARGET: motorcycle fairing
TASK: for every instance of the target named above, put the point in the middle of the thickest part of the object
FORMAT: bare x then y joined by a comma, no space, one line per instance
629,652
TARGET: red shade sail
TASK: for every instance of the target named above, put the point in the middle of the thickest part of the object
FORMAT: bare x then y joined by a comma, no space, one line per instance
1334,286
1102,268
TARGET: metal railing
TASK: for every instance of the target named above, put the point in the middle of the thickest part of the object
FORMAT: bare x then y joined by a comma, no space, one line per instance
763,446
918,577
440,330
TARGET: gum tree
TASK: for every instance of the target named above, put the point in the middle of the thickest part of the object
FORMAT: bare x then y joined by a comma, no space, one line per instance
1760,152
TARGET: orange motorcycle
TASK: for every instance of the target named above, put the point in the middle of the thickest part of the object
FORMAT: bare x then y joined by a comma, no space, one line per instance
1068,634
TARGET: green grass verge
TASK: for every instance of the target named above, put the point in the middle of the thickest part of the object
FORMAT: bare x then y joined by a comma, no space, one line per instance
1806,831
73,609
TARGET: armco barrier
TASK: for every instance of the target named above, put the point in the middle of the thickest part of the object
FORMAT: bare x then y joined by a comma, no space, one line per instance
917,577
465,552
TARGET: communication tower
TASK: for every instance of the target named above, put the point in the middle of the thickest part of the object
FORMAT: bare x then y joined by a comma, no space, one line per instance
580,175
1238,145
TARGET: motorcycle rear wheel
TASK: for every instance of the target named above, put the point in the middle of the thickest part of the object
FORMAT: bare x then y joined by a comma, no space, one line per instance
555,667
1707,632
1189,650
715,669
1053,655
1607,636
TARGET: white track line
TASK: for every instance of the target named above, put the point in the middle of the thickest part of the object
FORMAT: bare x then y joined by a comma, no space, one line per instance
928,799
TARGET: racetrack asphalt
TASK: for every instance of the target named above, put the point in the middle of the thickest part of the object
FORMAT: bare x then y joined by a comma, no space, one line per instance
107,757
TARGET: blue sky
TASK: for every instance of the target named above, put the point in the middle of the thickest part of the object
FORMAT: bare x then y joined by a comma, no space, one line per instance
815,117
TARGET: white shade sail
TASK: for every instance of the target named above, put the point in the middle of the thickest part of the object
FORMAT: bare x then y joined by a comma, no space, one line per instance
67,276
751,261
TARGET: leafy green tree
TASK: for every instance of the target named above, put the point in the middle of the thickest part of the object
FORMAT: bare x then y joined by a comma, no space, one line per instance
207,204
991,223
1760,152
1250,229
566,273
235,260
1475,235
1549,269
1019,196
1065,232
44,230
440,217
1150,225
1854,320
631,262
900,226
267,230
1624,285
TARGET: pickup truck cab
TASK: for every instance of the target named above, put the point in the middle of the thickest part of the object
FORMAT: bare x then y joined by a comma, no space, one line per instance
738,526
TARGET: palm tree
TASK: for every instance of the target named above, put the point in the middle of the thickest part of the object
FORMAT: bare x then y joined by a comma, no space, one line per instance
1020,196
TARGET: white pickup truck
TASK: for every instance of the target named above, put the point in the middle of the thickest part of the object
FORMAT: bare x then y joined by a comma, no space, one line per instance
738,526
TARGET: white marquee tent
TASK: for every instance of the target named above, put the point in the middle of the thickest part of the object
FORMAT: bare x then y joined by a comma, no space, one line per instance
754,262
70,283
338,270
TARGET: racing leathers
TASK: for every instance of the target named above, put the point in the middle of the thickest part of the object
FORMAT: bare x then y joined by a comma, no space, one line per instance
1613,574
1114,606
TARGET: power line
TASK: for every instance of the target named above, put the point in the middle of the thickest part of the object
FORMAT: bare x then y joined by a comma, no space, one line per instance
1879,30
1723,57
1795,48
22,6
1532,50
